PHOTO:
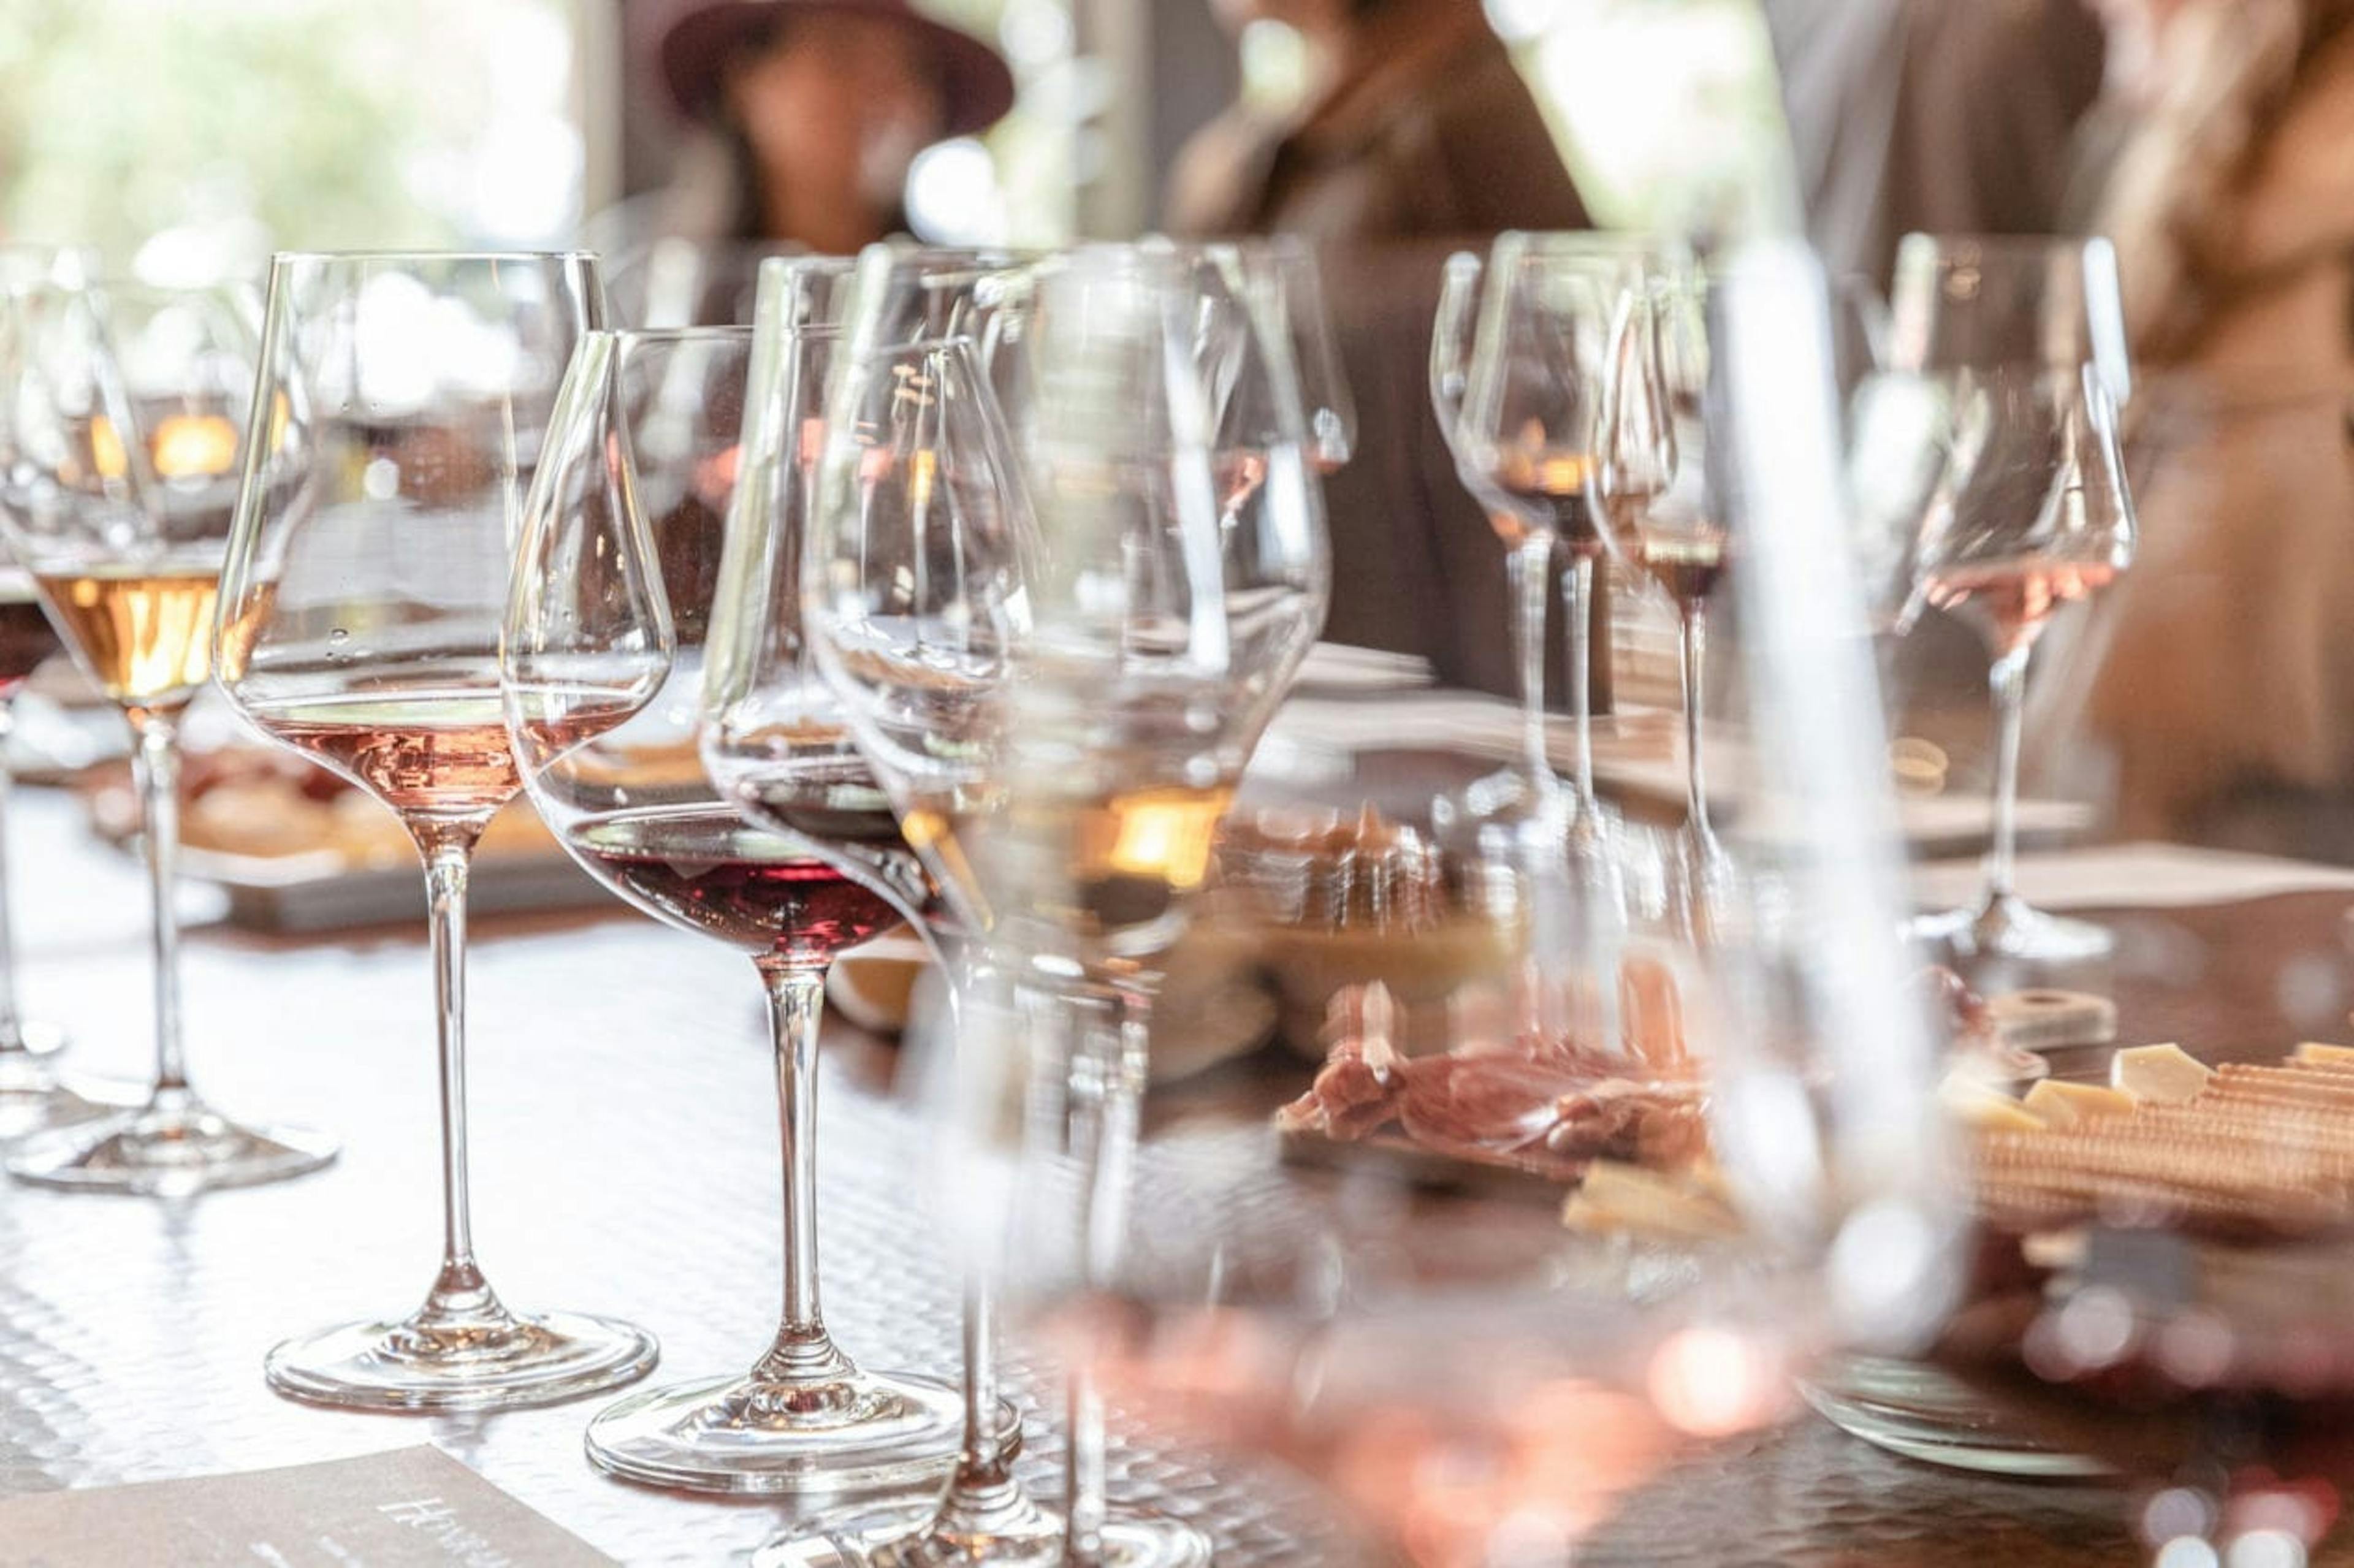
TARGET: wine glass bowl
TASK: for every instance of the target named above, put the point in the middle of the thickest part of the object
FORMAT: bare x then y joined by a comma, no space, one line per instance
400,411
125,409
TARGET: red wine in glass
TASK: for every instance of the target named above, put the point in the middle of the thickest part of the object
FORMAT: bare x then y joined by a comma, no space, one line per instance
701,866
27,637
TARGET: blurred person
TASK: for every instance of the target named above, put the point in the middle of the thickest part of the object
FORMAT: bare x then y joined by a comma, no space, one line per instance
1418,124
1418,134
812,111
1941,116
2226,687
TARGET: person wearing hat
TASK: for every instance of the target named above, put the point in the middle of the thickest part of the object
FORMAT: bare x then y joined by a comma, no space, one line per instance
814,109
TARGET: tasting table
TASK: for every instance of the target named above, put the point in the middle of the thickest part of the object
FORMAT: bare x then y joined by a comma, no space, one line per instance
625,1162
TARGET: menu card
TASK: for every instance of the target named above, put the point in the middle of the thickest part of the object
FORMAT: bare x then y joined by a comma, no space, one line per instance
409,1508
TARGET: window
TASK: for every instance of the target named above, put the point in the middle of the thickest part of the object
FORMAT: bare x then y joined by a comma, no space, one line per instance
193,137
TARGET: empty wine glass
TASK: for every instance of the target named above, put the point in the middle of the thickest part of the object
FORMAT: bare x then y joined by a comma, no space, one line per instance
1138,693
32,1098
402,405
1243,316
603,658
1517,372
125,407
2014,344
1277,278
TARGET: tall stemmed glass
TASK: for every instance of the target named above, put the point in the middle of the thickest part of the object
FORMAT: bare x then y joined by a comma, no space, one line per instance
31,1097
915,596
1517,373
603,660
1279,278
1528,530
125,406
402,404
1665,514
1247,313
2018,341
1156,617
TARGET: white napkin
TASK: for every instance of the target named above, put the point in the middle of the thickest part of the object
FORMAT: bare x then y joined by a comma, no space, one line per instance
2148,875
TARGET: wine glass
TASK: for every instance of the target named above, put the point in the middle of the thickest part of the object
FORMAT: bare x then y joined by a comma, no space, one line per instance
914,592
401,409
1671,519
1517,373
1475,1381
2015,340
32,1098
603,657
1277,278
125,410
1245,305
1137,693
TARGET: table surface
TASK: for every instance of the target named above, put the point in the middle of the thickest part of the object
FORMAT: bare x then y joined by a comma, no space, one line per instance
623,1164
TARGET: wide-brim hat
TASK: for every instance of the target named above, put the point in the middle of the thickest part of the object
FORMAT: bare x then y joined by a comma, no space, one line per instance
976,84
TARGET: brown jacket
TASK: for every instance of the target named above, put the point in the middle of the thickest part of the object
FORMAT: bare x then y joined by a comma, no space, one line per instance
1452,145
1944,116
2228,673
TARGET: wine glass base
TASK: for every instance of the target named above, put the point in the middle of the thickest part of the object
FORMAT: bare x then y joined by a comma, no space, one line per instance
542,1358
913,1538
169,1151
31,1038
2008,927
34,1099
863,1432
1914,1410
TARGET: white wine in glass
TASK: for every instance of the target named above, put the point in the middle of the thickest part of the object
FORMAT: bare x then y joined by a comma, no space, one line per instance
121,521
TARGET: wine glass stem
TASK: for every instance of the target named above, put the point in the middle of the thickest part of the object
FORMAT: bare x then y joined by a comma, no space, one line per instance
2006,680
1109,1077
12,1025
983,1497
156,760
803,1352
461,1296
1691,661
1530,565
1579,587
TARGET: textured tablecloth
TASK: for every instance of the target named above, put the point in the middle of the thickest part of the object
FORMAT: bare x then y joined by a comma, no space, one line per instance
624,1159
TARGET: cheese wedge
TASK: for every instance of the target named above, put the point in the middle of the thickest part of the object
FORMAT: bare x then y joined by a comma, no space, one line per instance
2065,1105
1990,1110
1618,1198
2162,1075
2320,1056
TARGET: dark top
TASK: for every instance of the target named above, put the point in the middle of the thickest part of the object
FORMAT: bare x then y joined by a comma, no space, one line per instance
1455,147
1940,116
